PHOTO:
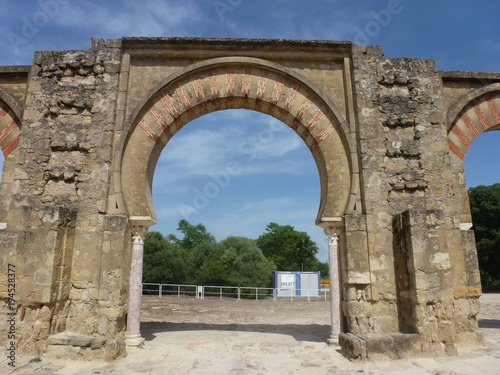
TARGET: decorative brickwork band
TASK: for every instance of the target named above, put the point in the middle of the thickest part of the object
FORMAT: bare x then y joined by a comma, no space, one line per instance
10,129
249,83
479,115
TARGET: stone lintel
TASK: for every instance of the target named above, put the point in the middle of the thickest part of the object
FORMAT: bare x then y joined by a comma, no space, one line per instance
142,221
448,75
15,69
343,48
333,221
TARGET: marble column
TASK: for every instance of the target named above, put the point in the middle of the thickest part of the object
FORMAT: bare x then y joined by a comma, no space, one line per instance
333,251
133,335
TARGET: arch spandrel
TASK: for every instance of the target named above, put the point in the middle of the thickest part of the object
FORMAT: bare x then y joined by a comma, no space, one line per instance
238,83
470,117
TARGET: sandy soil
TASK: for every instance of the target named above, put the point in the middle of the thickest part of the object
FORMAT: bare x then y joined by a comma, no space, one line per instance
189,336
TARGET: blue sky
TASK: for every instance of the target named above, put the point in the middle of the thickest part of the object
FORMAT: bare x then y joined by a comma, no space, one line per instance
250,168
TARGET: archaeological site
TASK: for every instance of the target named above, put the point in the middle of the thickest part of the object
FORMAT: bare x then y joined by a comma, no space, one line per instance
81,132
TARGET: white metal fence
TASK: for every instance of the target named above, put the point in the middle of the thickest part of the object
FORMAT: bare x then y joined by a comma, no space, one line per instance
221,292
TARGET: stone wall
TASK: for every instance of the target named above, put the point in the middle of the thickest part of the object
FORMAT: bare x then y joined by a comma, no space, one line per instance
406,166
71,263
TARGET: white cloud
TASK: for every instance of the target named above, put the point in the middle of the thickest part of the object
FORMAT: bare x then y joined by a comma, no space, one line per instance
131,17
302,20
267,144
296,166
200,152
175,212
489,45
255,143
271,204
252,218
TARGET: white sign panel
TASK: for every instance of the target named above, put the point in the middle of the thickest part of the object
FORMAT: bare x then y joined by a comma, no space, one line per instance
287,281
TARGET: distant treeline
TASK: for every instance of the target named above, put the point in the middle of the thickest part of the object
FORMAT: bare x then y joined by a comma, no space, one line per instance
197,258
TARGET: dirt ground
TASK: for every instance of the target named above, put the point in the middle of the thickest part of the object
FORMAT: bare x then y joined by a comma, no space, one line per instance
210,336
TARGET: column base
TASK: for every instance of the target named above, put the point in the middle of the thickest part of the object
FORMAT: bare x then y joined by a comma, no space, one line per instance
135,341
333,341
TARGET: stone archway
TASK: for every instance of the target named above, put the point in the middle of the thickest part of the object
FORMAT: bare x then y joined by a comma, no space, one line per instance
472,115
238,83
393,194
233,83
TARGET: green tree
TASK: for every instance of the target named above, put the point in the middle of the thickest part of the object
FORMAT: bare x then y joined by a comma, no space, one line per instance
290,250
323,268
164,262
208,268
197,258
193,235
236,261
485,210
246,263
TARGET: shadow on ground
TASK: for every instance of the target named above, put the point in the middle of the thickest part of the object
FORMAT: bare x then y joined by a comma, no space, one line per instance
300,332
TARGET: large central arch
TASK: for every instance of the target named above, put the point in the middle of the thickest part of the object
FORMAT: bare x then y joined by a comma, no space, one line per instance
234,83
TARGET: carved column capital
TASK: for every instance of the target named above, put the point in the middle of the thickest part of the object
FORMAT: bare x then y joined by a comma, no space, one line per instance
137,239
333,235
140,225
138,232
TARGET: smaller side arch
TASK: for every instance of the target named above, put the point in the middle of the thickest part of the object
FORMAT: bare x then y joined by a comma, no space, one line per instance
472,115
10,124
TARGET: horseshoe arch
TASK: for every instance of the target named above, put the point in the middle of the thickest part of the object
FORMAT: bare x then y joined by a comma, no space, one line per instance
235,83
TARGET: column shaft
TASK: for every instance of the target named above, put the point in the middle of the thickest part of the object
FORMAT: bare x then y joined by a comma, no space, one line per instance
333,251
133,335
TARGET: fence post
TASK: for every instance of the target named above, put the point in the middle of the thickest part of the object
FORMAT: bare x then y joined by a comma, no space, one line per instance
239,293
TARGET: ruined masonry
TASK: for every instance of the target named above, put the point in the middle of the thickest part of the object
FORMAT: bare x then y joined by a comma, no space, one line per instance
81,132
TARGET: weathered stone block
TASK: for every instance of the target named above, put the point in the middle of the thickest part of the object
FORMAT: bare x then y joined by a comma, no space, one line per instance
115,223
407,345
353,346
